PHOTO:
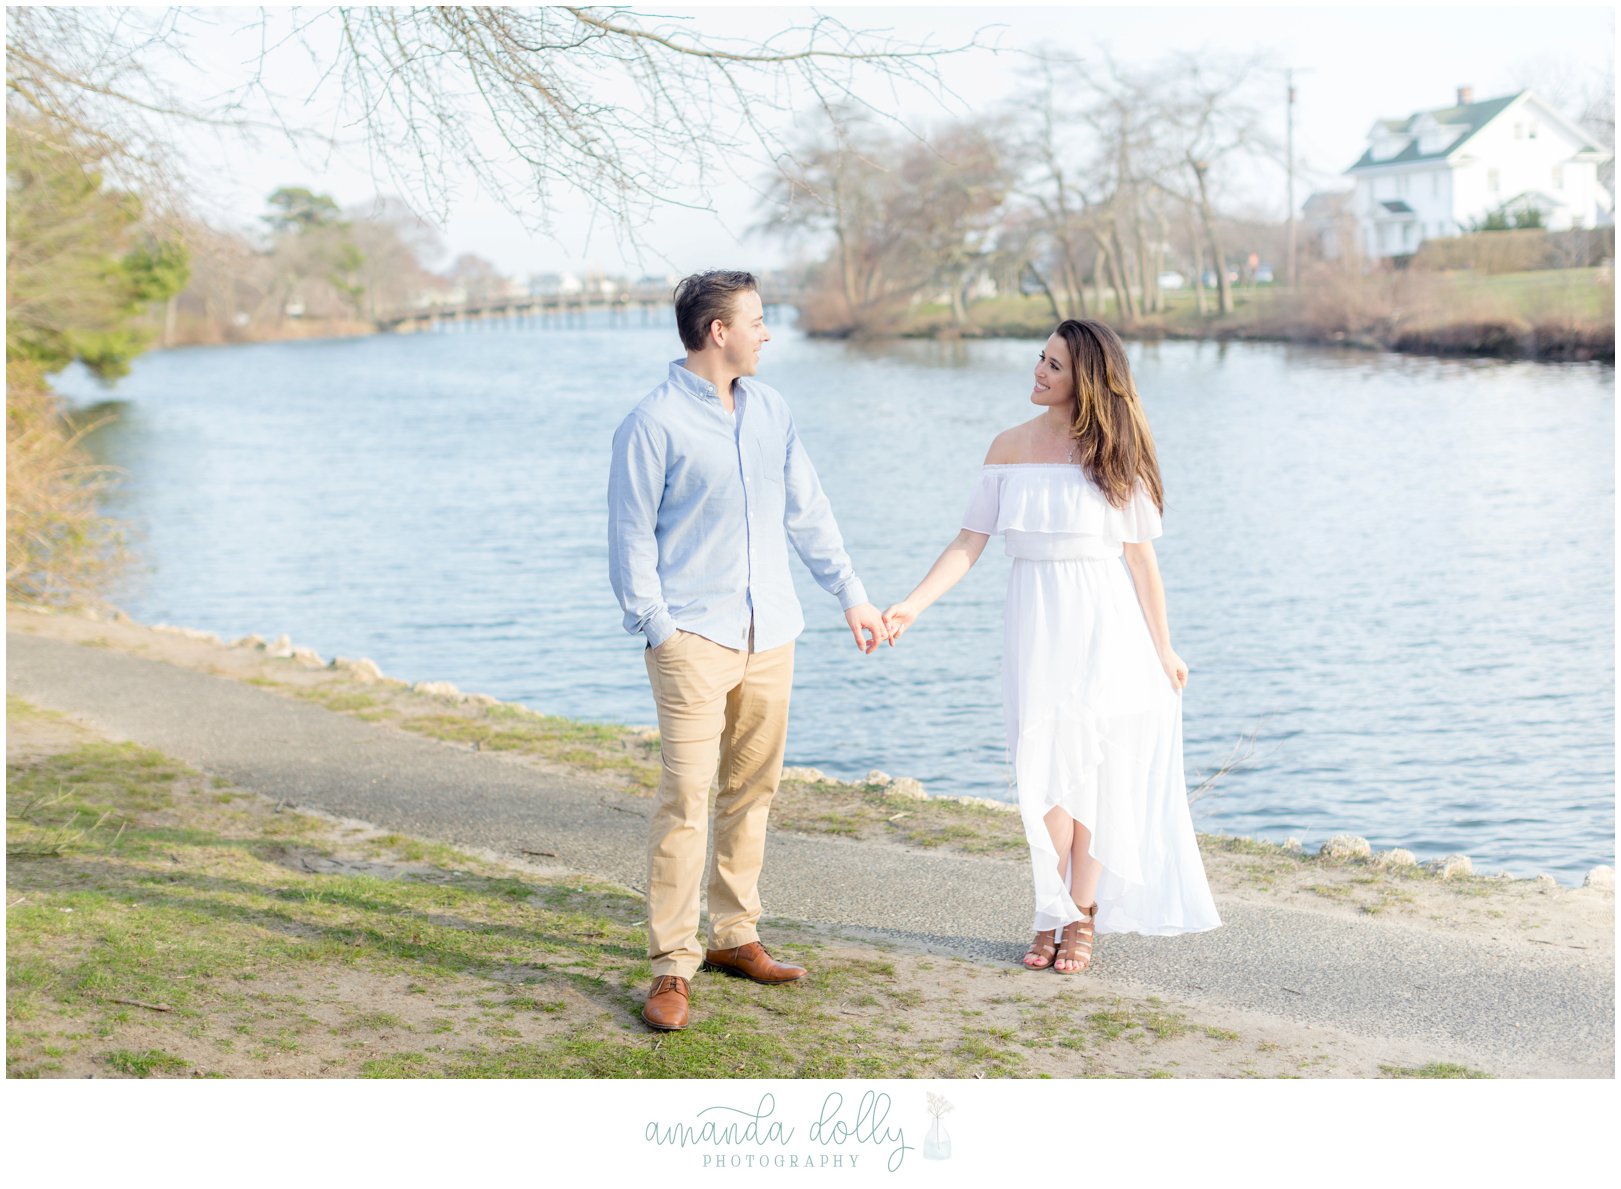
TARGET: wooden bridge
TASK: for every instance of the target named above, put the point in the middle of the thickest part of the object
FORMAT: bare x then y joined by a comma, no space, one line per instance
554,310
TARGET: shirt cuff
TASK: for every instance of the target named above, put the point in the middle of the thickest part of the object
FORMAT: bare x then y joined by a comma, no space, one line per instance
852,595
659,628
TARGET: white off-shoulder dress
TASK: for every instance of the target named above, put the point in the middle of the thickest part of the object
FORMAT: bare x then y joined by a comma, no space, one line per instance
1093,723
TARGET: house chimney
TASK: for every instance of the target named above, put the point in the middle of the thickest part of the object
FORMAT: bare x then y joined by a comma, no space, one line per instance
1466,96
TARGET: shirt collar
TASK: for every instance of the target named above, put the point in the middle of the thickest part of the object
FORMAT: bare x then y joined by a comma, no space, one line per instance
698,386
687,382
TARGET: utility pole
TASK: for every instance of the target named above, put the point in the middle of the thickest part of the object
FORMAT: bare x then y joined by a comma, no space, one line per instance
1292,269
1294,279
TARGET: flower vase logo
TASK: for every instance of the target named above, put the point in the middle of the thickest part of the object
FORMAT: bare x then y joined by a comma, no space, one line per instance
937,1144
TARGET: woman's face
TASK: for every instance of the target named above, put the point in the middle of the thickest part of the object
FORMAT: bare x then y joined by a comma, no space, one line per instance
1054,382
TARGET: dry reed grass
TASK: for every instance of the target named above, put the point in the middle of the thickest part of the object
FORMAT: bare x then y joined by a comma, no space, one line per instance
60,549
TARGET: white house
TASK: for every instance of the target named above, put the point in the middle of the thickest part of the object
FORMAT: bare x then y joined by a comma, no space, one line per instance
1437,172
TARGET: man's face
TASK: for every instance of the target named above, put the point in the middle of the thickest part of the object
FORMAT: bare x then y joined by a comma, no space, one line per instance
744,335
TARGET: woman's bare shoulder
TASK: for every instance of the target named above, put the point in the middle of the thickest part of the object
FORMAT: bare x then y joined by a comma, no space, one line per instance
1011,445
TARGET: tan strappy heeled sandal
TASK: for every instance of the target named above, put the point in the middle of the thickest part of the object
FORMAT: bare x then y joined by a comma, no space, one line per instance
1044,945
1077,943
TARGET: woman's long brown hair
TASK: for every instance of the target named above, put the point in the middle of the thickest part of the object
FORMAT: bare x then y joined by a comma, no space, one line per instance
1111,432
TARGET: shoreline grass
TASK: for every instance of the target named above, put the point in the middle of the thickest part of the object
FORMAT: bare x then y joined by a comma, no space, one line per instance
1554,314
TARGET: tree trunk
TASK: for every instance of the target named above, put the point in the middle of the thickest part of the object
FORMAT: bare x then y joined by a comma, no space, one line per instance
1106,258
1120,269
1046,289
1224,293
1147,283
959,303
1198,270
1157,255
846,265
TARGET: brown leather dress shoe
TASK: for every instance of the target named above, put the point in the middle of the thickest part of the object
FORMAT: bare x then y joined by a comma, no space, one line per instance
666,1006
752,961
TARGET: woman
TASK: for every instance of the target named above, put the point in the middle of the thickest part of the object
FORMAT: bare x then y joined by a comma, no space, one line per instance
1090,682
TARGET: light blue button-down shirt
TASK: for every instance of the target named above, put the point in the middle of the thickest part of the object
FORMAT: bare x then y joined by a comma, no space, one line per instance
698,499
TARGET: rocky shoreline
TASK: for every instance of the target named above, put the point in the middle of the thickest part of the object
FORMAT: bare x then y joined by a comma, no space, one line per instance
904,796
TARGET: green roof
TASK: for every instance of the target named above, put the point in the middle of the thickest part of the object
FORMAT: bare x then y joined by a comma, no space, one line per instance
1471,117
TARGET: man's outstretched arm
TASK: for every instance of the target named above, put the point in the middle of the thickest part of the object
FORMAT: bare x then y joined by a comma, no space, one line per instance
815,535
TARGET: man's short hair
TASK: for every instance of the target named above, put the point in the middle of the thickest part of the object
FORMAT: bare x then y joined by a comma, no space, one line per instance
704,297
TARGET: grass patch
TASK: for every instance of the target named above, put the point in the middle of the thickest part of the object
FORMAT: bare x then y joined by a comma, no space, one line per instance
1435,1069
145,1064
862,811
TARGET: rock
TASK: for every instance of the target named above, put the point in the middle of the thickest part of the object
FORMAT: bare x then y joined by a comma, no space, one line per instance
1293,844
906,788
1397,857
878,778
1600,877
806,775
250,642
1345,846
983,803
1547,883
437,689
308,656
1451,867
362,670
187,633
483,700
117,616
282,648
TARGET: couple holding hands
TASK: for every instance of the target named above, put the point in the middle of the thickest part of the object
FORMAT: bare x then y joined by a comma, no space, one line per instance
709,481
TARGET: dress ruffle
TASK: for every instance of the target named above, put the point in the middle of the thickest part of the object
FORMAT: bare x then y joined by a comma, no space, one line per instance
1056,498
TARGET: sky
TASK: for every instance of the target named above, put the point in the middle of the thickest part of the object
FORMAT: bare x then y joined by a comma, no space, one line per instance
1353,65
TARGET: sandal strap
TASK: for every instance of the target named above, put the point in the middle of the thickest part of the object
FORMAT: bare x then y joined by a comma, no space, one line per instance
1078,937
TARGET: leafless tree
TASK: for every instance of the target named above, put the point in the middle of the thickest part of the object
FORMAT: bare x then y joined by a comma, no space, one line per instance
1057,203
903,217
629,110
1219,125
397,249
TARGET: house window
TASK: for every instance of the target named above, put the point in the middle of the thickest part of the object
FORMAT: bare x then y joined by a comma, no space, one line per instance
1435,185
1558,177
1519,132
1533,131
1491,179
1401,184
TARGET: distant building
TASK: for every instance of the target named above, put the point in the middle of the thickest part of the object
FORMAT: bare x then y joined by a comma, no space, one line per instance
1329,225
555,284
1436,173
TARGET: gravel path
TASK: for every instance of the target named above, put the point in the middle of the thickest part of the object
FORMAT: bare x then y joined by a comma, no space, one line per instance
1503,1005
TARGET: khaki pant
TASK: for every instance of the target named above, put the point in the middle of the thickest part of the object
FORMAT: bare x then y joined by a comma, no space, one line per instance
716,706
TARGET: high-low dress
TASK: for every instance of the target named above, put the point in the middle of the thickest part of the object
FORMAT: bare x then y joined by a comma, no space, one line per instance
1093,723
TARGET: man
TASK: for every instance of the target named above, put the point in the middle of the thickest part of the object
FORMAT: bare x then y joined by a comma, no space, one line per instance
707,474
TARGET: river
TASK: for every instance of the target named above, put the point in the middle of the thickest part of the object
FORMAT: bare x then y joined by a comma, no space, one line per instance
1395,573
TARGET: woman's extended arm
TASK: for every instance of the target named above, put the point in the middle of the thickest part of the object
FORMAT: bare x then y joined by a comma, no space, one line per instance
957,559
1144,567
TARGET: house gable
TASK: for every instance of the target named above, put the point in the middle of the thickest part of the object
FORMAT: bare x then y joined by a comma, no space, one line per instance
1448,128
